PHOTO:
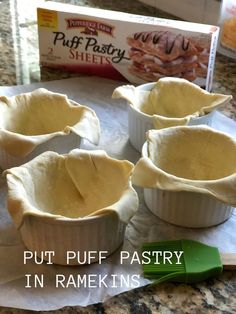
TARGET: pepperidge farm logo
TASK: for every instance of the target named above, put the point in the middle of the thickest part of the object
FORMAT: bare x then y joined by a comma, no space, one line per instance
89,27
82,41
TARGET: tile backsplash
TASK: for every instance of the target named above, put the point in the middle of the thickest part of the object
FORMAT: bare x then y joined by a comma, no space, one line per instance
200,11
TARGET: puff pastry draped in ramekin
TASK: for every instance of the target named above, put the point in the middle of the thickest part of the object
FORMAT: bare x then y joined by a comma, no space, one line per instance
30,119
73,186
172,101
194,159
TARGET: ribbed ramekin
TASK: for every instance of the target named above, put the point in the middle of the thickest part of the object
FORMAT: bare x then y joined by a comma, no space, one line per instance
92,234
18,146
79,202
187,209
139,122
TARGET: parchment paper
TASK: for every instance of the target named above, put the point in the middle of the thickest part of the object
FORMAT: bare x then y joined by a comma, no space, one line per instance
144,226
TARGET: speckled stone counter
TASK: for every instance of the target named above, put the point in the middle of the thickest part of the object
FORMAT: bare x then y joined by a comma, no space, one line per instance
19,65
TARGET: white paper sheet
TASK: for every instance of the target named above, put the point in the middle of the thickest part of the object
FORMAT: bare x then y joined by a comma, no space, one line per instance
144,226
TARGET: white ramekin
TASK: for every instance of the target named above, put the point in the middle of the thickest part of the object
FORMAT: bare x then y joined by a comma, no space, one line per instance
100,228
184,208
140,123
60,141
187,209
93,234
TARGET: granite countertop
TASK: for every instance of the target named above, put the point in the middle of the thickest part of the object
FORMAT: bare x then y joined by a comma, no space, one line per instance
19,65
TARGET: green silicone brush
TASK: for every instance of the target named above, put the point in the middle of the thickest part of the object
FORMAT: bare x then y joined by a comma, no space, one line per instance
184,261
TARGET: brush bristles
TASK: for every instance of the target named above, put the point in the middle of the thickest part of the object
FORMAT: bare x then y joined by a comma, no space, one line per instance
165,258
180,260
